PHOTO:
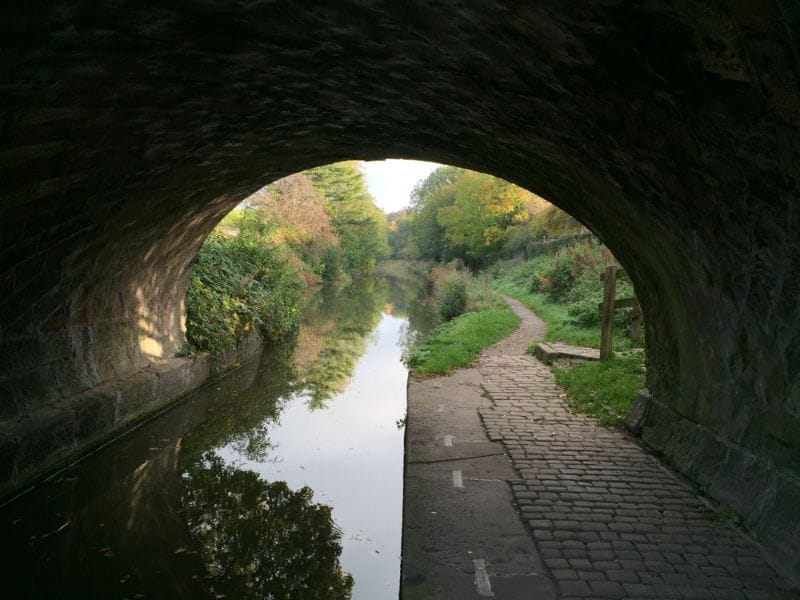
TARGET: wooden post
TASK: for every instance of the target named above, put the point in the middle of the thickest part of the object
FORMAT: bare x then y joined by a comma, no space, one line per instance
636,322
609,294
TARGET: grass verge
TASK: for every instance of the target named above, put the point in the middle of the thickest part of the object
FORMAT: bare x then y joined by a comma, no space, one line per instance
603,390
559,325
456,343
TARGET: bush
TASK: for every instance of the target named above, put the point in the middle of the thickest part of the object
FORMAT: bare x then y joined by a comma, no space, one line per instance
236,286
561,279
565,291
452,301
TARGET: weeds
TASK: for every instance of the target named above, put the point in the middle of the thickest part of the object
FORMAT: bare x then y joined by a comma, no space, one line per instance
603,390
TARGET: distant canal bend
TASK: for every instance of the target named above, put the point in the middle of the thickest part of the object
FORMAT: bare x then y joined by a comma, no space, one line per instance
281,480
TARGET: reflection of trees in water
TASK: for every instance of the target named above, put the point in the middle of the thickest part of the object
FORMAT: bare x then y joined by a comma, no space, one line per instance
414,303
250,406
262,540
318,364
333,335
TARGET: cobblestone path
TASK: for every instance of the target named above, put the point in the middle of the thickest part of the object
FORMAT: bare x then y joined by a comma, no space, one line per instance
608,518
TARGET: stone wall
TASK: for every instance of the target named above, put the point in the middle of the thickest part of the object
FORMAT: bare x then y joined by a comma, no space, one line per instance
670,129
34,444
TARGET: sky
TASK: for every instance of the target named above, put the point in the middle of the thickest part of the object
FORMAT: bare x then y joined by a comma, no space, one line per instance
390,181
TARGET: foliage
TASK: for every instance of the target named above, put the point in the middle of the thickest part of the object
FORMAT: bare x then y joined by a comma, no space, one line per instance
359,225
457,342
426,236
551,222
603,390
399,226
564,290
474,217
292,209
239,285
475,222
560,280
262,540
452,302
411,271
252,270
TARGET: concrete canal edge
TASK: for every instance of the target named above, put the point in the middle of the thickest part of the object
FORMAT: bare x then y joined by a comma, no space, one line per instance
35,446
462,536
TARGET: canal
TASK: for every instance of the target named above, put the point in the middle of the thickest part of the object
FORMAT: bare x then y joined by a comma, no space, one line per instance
283,479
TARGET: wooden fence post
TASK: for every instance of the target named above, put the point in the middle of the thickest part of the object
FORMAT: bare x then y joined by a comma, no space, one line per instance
609,295
636,322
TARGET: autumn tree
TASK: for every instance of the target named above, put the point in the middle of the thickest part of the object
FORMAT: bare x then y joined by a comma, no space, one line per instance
295,209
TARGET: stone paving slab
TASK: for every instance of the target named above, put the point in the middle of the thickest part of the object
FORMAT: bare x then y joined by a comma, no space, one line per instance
458,505
608,518
553,351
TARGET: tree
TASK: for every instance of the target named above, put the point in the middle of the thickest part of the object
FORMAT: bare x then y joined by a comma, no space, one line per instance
427,235
359,224
483,209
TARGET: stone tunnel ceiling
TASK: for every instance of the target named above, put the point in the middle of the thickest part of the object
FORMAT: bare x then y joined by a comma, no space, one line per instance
669,128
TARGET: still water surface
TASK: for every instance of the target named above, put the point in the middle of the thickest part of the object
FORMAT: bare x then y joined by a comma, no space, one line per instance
281,480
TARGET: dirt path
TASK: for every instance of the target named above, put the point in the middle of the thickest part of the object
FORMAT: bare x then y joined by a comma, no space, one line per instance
608,520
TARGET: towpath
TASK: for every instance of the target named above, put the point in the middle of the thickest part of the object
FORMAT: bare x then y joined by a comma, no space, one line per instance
532,501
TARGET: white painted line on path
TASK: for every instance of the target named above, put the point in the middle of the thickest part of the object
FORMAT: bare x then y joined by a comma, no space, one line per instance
448,440
458,482
482,578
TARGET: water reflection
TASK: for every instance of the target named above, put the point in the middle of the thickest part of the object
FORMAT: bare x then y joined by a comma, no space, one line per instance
262,540
333,335
212,499
414,304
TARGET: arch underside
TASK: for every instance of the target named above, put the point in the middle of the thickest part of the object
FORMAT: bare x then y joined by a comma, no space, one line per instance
671,131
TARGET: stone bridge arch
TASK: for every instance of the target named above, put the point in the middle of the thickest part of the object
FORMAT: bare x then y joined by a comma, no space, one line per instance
670,129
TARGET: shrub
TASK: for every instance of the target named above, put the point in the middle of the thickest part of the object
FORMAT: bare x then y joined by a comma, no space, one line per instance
452,301
236,286
559,281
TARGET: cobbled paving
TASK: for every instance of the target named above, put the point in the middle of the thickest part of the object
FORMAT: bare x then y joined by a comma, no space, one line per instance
609,520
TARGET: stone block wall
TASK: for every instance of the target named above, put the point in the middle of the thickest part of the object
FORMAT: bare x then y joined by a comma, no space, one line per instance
35,443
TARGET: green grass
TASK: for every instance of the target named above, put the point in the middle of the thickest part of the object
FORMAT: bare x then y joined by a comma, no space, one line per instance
603,390
457,342
559,326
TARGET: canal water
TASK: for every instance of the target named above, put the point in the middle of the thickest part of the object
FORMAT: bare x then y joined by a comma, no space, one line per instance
281,480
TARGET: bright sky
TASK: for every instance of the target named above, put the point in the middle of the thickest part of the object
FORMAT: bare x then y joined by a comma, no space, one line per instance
390,181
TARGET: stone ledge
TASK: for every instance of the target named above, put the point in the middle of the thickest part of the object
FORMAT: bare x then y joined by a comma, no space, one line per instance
35,444
550,352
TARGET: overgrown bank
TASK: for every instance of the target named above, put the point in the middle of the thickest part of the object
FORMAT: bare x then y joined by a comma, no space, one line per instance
257,267
471,318
564,289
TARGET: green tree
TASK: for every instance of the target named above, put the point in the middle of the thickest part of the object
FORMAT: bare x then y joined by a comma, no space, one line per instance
238,285
399,236
359,224
427,235
482,210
